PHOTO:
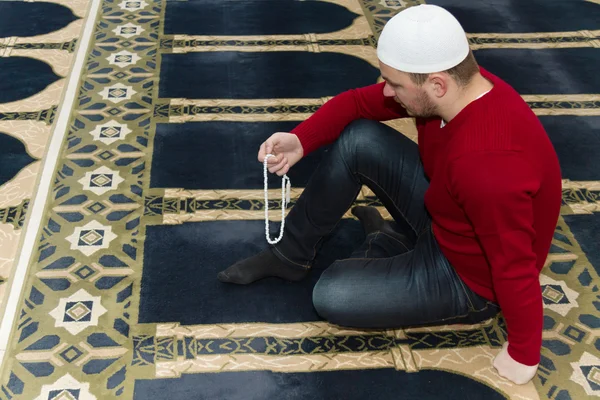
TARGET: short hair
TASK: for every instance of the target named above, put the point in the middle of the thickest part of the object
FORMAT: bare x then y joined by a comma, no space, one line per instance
462,73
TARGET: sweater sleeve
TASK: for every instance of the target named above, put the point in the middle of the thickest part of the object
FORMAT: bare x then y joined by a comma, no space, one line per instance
327,123
495,190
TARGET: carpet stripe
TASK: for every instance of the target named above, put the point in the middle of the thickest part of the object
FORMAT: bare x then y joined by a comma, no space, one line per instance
312,42
249,194
177,206
402,356
581,197
188,110
245,330
581,185
253,362
307,42
294,330
238,215
535,40
583,109
536,35
275,214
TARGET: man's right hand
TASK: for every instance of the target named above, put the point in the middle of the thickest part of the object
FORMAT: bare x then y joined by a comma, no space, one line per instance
286,148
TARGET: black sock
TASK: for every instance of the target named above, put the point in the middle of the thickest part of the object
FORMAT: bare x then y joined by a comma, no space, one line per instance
370,218
372,221
264,264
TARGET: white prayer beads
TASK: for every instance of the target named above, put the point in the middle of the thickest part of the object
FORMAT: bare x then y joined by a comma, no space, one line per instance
286,186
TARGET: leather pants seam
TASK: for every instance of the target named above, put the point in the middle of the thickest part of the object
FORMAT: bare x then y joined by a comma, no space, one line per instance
370,243
391,201
462,284
305,266
458,316
396,240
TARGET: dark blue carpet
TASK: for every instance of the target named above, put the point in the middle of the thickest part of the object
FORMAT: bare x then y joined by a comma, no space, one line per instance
577,142
185,259
22,77
262,75
545,71
255,17
13,157
379,384
509,16
24,19
224,156
586,229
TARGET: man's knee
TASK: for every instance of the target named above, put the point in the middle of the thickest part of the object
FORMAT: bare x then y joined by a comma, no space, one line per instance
336,300
326,297
359,133
361,140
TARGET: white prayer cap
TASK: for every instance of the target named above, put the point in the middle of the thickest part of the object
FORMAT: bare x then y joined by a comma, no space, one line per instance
423,39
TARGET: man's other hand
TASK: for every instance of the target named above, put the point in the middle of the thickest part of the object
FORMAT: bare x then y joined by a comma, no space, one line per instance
286,148
512,370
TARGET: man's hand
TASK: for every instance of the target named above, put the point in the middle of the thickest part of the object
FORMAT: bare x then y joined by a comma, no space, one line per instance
512,370
286,148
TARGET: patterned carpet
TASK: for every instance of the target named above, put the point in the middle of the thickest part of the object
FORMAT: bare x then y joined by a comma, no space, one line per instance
156,188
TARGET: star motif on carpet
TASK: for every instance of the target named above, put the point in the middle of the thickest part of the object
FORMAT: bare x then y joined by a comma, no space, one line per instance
90,238
71,354
117,93
557,296
128,30
393,4
78,312
123,58
133,5
110,132
66,388
101,180
586,372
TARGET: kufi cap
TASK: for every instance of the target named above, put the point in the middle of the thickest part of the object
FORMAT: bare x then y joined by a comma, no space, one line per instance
423,39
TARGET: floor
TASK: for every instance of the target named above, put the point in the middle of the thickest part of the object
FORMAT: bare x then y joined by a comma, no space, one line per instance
118,202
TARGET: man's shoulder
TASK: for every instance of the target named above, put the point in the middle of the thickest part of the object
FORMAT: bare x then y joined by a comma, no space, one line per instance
494,130
501,120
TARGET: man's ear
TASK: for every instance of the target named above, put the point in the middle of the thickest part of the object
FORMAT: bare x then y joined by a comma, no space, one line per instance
438,84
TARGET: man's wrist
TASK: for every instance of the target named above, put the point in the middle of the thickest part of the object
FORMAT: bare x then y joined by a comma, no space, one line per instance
519,358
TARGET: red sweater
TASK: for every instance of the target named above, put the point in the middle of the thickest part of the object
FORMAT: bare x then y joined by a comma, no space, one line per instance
494,194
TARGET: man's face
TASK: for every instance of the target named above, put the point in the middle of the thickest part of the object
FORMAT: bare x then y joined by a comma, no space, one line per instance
405,92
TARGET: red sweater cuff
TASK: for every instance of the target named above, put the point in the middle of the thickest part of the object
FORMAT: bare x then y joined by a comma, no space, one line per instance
529,357
309,139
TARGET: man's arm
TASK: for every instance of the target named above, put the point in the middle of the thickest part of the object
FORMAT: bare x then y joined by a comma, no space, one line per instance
495,189
327,123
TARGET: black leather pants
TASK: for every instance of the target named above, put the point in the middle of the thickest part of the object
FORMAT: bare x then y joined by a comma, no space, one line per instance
386,283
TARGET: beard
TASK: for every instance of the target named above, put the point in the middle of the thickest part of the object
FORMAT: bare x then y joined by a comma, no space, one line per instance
423,107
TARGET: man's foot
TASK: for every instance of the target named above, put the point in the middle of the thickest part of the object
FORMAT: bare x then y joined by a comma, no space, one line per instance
372,221
264,264
370,218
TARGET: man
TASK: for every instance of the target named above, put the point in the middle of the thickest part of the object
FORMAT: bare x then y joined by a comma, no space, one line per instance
475,204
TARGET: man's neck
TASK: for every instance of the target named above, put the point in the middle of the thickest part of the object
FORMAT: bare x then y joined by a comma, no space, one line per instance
478,86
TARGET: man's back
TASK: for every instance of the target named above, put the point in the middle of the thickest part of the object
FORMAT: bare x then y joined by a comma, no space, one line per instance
495,198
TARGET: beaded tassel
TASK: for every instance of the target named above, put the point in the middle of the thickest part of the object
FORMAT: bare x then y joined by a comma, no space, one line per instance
286,188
